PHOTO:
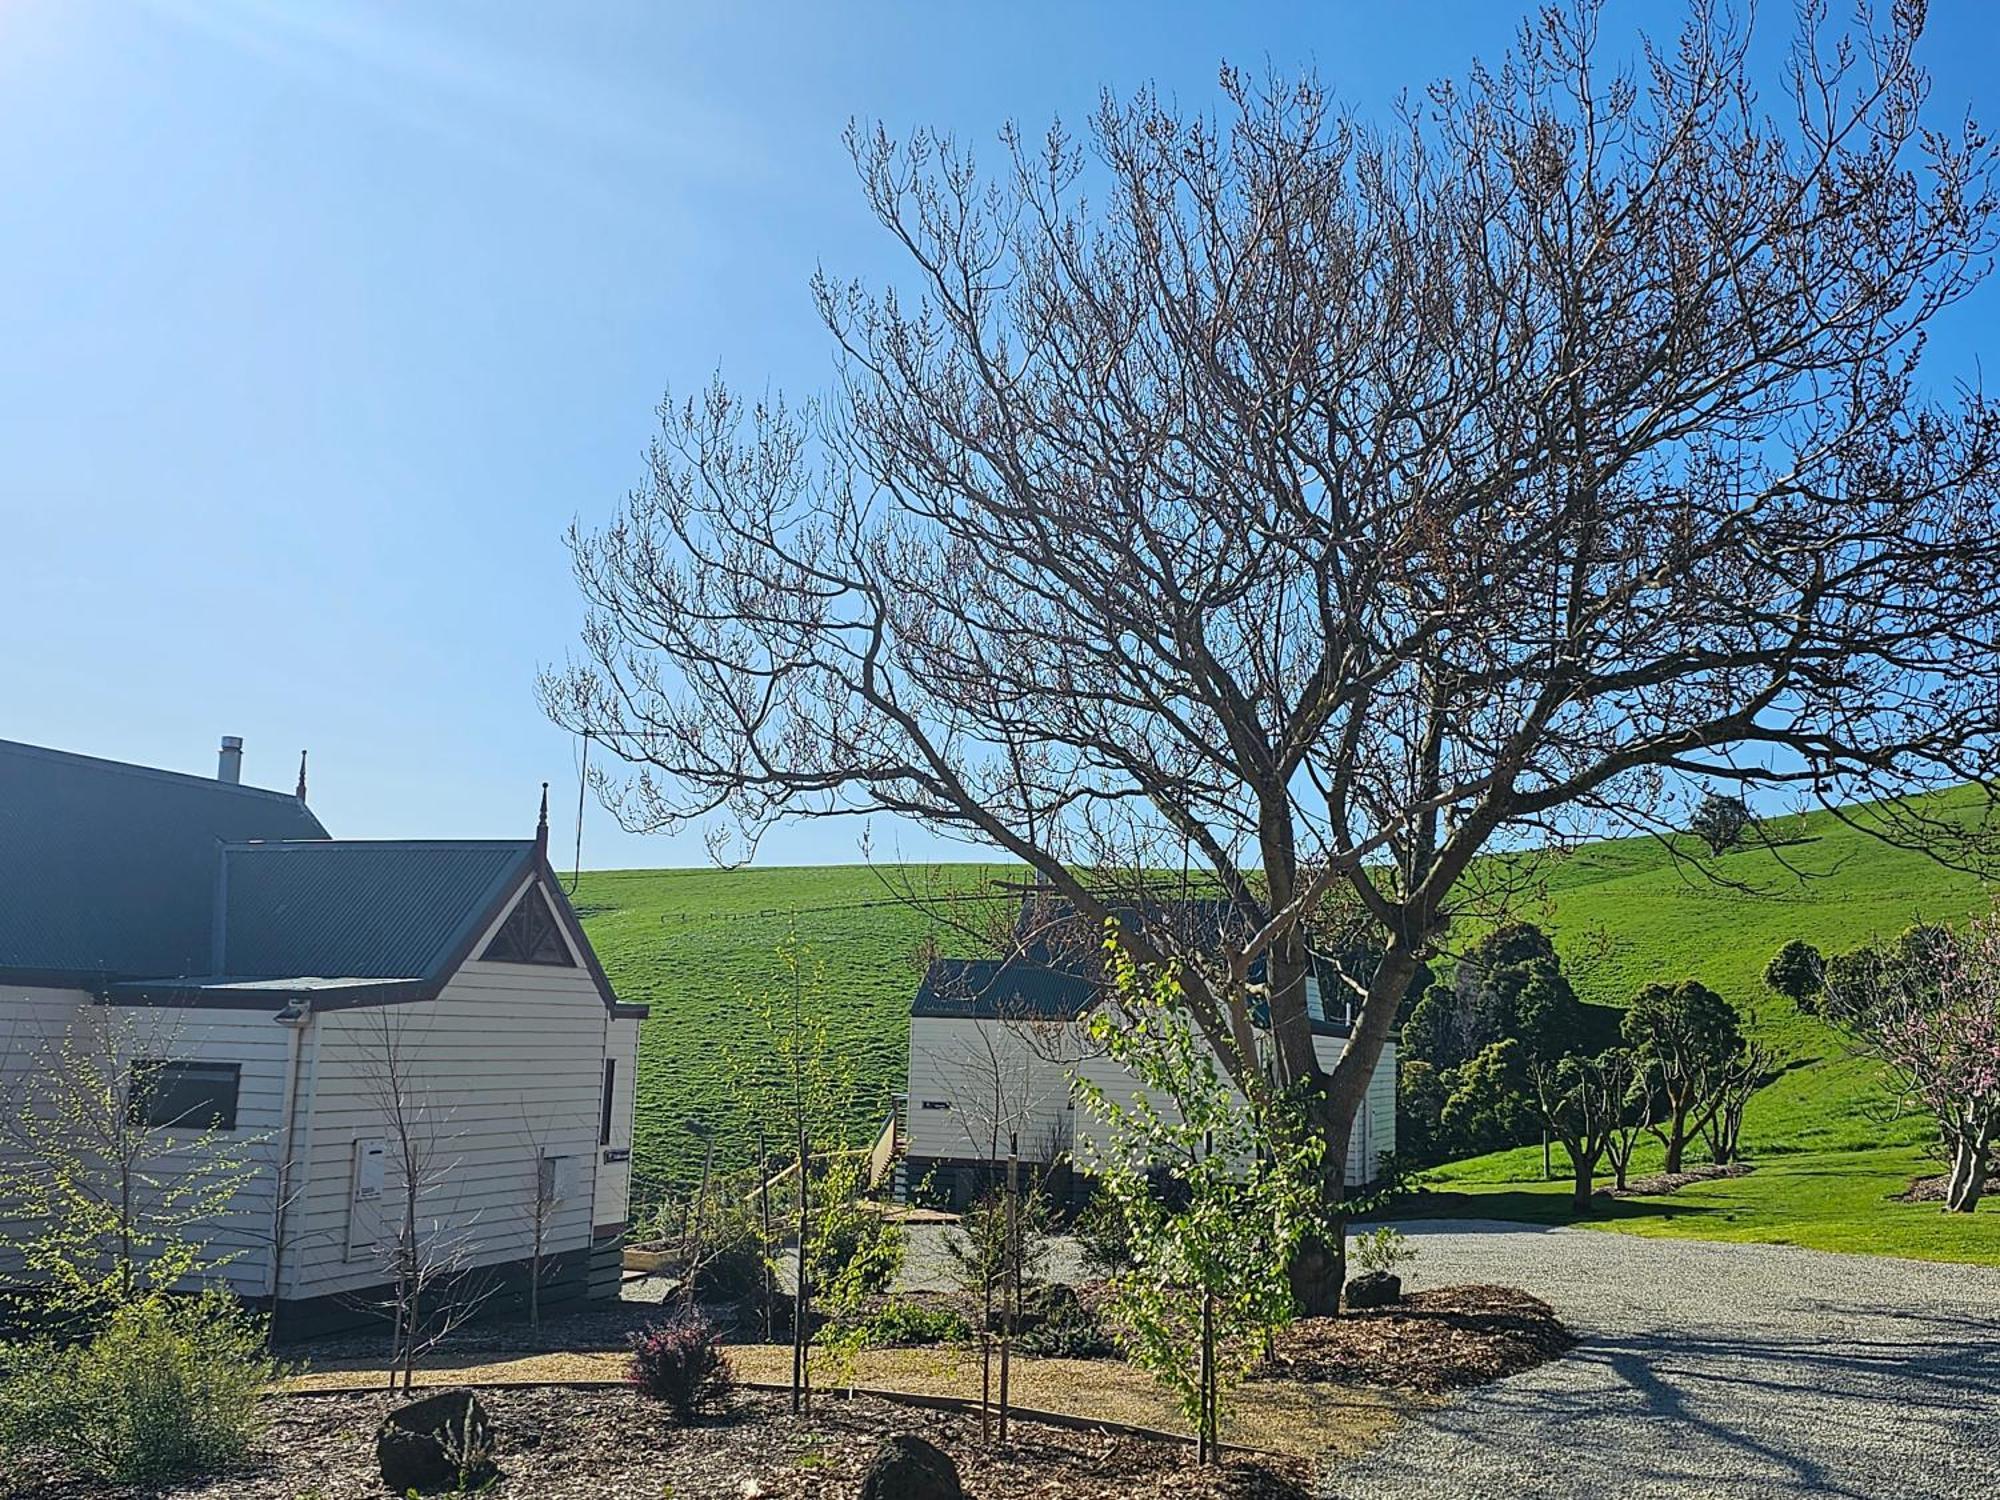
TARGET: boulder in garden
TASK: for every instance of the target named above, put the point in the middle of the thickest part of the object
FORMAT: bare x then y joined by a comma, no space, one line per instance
441,1442
908,1468
1375,1289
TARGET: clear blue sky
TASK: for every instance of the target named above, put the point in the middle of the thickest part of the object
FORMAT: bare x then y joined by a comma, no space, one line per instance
319,323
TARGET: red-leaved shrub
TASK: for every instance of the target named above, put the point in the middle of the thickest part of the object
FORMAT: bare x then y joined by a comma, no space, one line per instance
681,1364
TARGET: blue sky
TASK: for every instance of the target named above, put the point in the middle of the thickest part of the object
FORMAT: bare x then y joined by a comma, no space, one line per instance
318,324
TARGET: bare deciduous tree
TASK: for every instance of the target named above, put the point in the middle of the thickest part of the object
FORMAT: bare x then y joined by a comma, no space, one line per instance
544,1133
429,1252
1321,505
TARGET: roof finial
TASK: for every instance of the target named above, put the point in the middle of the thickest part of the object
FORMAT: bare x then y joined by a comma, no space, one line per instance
542,827
301,793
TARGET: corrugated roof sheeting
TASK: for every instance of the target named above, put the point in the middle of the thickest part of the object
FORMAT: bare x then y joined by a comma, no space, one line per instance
992,990
109,869
361,910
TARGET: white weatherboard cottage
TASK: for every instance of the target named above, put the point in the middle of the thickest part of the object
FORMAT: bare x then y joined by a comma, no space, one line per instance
996,1047
289,989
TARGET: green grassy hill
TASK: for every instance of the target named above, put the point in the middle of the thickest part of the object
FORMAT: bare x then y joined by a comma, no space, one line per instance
1831,1153
1624,914
702,948
700,945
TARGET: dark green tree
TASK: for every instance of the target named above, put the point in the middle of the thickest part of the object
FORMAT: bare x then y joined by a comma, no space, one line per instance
1421,1091
1509,984
1686,1037
1508,987
1798,972
1720,822
1490,1105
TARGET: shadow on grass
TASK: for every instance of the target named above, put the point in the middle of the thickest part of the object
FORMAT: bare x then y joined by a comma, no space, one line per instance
1528,1207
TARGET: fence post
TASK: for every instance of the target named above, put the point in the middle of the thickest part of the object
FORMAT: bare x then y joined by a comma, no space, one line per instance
764,1204
801,1375
1010,1291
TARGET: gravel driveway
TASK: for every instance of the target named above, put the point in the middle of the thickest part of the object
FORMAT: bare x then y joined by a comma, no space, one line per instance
1710,1370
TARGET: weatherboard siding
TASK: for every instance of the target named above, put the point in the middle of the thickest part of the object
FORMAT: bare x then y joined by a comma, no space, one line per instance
36,1021
614,1158
1373,1137
30,1020
958,1063
506,1065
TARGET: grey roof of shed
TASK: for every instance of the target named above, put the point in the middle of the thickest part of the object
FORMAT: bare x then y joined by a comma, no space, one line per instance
1058,975
108,869
986,989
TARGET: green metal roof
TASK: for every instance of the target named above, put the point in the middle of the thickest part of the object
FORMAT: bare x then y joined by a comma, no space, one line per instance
108,869
155,888
377,910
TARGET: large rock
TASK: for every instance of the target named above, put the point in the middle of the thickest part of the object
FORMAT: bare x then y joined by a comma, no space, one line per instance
908,1468
1375,1289
439,1443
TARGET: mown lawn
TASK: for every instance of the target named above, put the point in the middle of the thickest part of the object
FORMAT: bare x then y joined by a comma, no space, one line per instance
1822,1200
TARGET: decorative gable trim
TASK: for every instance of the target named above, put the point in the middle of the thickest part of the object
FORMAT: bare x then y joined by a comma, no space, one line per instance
530,934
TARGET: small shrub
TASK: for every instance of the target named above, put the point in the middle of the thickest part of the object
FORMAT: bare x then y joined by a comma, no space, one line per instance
857,1251
171,1387
1104,1237
1382,1249
908,1325
1065,1329
681,1364
979,1249
717,1239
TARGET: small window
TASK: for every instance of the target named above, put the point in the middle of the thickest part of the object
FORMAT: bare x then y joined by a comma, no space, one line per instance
529,936
184,1095
610,1093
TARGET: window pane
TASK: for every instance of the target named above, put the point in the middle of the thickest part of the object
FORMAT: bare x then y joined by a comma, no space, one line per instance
610,1093
184,1095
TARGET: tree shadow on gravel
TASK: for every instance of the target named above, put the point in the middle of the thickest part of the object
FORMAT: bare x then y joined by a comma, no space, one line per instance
1543,1210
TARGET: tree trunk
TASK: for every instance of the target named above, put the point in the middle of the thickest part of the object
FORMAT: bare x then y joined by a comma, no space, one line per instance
1968,1172
1586,1176
1676,1140
1319,1265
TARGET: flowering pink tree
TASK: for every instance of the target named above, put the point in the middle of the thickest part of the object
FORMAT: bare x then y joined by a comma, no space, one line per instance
1934,1018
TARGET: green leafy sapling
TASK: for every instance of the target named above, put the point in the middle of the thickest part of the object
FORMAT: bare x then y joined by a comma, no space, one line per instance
1216,1189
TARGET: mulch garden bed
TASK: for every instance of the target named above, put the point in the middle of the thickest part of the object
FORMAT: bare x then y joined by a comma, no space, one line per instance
614,1445
1932,1189
1670,1182
1432,1341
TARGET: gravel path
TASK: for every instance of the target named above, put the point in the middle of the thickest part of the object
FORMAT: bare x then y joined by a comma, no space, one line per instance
1710,1370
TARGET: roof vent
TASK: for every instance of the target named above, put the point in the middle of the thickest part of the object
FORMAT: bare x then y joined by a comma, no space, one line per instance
229,763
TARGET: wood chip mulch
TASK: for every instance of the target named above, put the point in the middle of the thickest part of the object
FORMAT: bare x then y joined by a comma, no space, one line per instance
1932,1189
613,1445
1670,1182
1432,1341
